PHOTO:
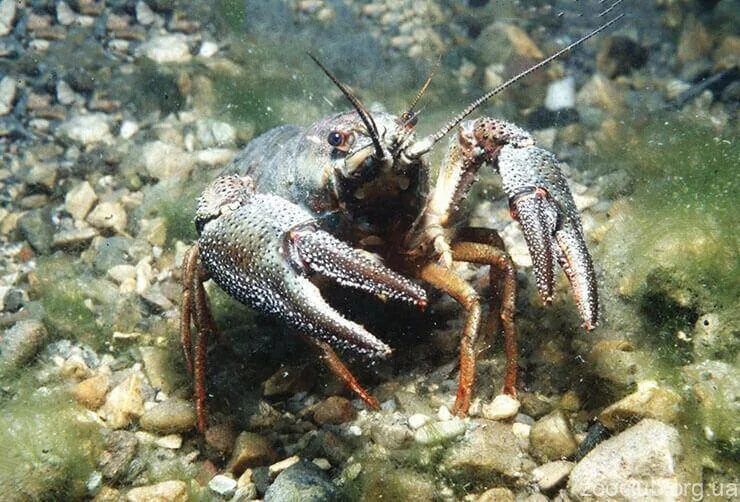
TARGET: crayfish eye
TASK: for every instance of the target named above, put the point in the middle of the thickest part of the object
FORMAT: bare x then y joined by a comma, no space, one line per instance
337,138
409,119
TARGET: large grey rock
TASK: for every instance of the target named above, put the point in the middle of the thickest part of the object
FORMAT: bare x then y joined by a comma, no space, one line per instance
642,463
302,482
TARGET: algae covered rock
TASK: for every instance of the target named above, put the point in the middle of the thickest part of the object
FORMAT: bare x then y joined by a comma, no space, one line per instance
20,343
551,437
716,335
491,451
649,401
49,450
716,387
169,417
384,481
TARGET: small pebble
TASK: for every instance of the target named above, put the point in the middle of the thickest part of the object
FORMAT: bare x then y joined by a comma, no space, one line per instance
502,407
417,420
170,441
561,94
208,49
124,403
444,413
65,15
278,467
550,475
250,450
223,485
322,464
334,410
551,437
8,87
91,392
79,200
176,491
440,431
128,129
169,417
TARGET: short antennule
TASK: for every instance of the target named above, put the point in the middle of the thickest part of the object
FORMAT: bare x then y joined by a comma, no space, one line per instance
423,146
423,89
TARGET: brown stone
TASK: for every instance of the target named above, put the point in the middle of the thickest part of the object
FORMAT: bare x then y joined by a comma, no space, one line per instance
496,495
334,410
251,450
551,438
169,417
166,491
91,392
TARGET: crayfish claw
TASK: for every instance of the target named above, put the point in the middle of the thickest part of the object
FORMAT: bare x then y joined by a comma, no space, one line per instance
541,201
261,249
326,255
537,218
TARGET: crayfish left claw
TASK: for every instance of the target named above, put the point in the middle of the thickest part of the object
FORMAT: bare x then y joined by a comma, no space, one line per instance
262,249
316,251
541,201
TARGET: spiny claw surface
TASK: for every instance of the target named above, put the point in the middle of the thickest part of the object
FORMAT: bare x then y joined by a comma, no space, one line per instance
541,201
261,249
330,257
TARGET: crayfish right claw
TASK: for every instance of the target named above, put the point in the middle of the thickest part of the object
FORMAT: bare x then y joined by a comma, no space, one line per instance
541,201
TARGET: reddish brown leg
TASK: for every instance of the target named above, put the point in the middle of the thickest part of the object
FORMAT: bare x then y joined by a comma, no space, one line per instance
492,324
189,270
337,367
195,308
446,280
474,252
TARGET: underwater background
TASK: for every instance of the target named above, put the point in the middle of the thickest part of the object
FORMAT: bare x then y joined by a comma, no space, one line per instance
114,115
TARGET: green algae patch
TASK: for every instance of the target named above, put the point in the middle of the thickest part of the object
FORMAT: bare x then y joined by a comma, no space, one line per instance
64,286
175,201
386,482
378,474
681,212
671,250
49,448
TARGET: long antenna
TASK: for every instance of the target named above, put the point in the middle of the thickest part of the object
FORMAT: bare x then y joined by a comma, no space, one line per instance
427,143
